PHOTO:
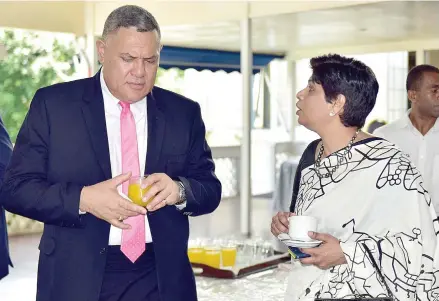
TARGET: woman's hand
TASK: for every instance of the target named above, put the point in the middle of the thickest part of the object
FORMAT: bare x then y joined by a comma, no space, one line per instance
280,223
327,255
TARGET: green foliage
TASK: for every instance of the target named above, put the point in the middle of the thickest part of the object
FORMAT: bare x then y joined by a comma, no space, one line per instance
171,79
26,68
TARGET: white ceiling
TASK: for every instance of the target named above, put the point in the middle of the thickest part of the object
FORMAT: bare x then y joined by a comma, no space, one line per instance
373,23
298,28
84,16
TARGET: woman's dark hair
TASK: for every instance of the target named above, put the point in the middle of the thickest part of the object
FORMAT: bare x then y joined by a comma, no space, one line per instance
351,78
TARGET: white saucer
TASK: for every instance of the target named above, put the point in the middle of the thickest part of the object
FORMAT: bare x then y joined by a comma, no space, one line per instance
286,239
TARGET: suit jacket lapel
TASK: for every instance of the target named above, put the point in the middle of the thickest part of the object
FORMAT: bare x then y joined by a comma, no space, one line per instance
94,115
156,130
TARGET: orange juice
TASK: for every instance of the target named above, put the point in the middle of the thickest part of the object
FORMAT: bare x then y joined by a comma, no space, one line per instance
229,256
136,193
212,257
196,255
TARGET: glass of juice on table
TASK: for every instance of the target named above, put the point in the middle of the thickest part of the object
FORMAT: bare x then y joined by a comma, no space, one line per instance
228,254
135,191
212,256
195,251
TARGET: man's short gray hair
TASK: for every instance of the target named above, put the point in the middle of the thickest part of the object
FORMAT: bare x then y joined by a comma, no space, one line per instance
130,16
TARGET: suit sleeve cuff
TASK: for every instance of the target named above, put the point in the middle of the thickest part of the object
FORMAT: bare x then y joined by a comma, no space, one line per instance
181,206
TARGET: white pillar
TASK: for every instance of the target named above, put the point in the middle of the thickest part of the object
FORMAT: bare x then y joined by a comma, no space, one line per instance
291,96
420,57
245,174
90,38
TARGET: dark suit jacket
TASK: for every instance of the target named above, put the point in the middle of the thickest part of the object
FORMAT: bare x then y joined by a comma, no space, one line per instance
5,156
62,146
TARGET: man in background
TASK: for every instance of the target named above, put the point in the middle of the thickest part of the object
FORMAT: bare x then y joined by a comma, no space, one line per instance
417,132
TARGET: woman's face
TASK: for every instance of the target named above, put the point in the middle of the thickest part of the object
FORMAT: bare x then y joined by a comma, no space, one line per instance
313,110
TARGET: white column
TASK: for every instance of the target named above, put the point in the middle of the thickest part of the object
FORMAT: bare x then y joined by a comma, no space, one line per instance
246,72
90,39
420,57
291,96
273,85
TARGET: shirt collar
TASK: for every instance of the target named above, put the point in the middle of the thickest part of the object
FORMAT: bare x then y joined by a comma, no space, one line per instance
112,103
405,122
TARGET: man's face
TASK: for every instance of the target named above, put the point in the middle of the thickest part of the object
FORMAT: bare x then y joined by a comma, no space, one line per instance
130,60
426,98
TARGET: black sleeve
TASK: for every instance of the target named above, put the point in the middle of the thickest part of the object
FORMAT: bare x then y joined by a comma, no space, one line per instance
308,158
26,189
5,150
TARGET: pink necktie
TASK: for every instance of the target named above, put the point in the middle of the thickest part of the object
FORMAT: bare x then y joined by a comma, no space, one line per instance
133,240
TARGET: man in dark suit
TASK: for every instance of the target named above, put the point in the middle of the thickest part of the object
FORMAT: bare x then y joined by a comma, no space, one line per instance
78,146
5,155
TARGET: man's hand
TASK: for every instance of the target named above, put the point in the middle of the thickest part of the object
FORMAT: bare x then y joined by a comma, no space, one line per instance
164,191
327,255
280,223
104,201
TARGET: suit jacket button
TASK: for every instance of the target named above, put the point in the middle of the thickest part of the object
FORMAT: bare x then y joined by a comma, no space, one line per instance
103,250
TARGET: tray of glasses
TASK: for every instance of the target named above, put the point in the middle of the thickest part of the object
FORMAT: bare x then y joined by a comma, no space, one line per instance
232,257
239,271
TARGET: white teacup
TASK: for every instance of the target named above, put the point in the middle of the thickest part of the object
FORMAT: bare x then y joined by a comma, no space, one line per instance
300,225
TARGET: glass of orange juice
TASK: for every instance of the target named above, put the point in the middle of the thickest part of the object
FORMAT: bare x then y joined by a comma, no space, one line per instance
228,254
212,257
135,191
195,252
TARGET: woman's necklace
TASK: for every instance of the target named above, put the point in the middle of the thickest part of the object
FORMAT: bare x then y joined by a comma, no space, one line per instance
346,150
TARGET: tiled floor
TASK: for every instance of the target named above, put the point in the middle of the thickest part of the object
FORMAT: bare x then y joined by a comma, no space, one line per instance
20,284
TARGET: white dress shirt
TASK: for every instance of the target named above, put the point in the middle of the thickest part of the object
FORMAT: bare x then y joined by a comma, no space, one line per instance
423,150
112,119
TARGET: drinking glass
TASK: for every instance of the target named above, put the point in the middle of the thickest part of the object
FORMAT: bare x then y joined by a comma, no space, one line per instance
135,191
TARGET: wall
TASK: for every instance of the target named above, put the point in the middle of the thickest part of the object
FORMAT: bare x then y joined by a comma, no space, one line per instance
432,57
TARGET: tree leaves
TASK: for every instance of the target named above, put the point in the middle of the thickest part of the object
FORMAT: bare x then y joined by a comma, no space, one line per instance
23,72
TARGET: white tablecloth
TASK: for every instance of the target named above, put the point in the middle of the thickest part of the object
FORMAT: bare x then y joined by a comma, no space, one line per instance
265,286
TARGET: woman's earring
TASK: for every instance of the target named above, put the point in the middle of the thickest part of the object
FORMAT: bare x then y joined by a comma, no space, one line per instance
332,114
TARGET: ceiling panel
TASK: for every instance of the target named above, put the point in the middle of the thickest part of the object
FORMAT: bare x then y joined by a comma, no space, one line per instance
354,25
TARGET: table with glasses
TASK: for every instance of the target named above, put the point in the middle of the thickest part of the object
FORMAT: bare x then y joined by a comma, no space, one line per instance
265,284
